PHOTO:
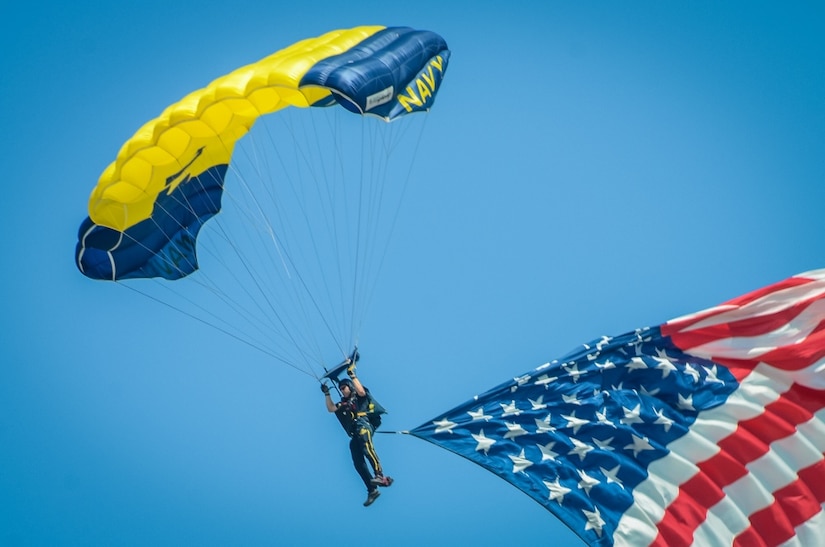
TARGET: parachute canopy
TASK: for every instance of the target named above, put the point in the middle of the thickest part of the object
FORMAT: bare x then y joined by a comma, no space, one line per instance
706,430
167,181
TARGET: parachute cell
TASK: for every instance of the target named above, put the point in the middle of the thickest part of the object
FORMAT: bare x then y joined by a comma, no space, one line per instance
149,205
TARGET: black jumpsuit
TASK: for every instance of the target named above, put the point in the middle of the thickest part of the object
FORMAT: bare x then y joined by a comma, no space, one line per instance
354,416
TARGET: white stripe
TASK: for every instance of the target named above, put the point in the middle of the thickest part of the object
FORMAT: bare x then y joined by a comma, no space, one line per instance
812,376
809,533
661,487
769,304
813,274
83,247
710,532
751,347
637,525
707,311
112,257
112,263
80,259
108,253
774,470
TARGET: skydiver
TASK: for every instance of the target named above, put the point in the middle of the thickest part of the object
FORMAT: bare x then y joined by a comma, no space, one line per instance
359,414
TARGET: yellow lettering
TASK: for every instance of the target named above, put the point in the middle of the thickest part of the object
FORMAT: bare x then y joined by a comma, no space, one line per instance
430,79
423,90
411,97
425,85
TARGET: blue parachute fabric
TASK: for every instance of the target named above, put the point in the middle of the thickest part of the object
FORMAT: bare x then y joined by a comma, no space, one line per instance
366,78
160,246
139,230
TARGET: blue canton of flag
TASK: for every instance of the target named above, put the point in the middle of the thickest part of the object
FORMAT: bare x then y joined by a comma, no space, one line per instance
578,435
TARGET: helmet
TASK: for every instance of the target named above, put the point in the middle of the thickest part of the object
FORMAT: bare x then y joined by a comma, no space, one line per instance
346,382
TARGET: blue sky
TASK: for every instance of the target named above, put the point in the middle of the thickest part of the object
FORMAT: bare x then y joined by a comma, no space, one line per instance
587,169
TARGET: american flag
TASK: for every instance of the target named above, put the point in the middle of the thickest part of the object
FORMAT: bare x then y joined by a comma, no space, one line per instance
706,430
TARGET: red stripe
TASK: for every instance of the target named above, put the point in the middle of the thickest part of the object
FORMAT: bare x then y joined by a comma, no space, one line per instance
696,495
688,510
791,357
765,291
812,400
752,326
750,441
779,420
800,355
676,325
753,437
794,504
740,368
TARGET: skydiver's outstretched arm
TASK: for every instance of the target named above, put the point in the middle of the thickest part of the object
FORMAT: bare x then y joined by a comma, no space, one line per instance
359,389
328,399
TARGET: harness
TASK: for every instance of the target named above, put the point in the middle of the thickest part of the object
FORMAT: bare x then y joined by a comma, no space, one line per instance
349,411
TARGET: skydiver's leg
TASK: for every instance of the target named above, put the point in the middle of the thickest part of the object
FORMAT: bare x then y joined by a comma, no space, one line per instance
356,449
365,434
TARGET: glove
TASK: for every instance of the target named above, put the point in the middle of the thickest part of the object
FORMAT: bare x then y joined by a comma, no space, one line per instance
351,370
325,389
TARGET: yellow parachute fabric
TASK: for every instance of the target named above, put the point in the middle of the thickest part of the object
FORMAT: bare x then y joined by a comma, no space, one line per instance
201,129
294,257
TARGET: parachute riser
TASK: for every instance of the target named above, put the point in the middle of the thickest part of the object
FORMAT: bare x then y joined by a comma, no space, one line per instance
333,375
